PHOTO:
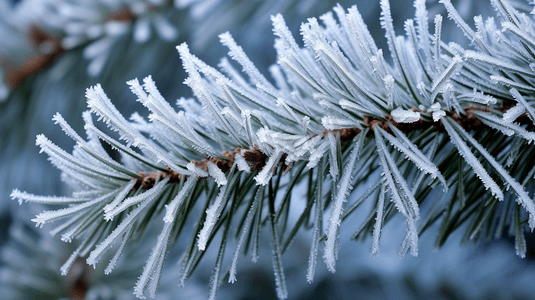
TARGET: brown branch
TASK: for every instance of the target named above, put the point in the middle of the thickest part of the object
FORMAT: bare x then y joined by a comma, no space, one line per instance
468,121
48,49
122,15
346,134
127,15
147,181
257,159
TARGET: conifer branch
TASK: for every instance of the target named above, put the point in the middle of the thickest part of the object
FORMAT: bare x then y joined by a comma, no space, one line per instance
439,115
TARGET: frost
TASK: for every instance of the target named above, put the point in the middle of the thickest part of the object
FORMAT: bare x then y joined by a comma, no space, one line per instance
506,127
197,171
100,104
337,79
48,216
343,190
217,174
317,154
246,227
442,80
105,245
360,32
468,32
523,196
212,215
237,53
437,41
280,281
405,116
401,195
242,163
434,107
511,83
333,155
119,251
513,153
477,97
91,172
437,112
26,197
469,157
497,62
422,27
388,26
333,123
316,231
377,228
513,113
128,202
522,101
423,91
267,172
389,85
120,197
68,263
153,268
404,145
173,206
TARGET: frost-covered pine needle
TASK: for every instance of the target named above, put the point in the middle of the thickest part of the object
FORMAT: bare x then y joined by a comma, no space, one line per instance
470,158
344,188
246,228
213,213
152,270
378,227
316,231
523,196
334,101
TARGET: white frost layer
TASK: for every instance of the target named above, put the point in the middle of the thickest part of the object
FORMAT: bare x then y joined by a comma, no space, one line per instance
436,111
217,174
405,116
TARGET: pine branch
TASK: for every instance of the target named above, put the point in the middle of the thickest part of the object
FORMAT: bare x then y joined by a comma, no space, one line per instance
439,115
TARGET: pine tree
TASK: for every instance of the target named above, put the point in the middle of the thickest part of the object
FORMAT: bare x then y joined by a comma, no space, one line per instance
436,125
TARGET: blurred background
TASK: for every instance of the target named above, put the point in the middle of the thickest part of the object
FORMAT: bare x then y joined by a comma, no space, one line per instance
52,50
